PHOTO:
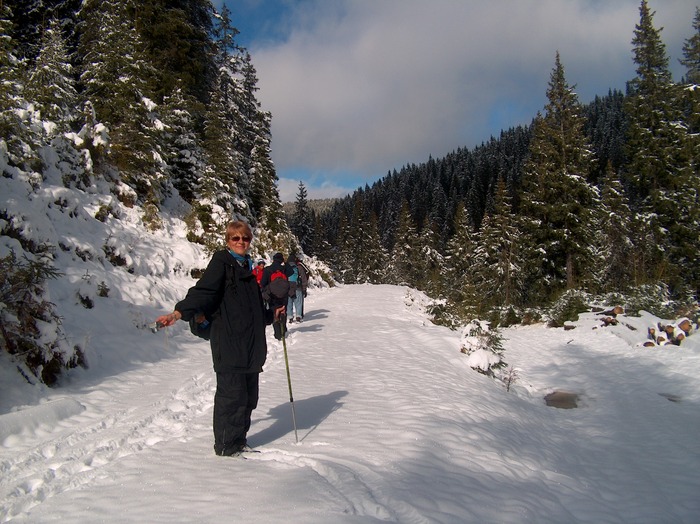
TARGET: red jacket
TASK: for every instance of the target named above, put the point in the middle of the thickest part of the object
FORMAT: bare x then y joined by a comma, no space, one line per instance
258,272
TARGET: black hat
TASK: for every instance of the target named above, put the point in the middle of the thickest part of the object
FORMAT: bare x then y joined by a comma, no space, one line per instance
279,257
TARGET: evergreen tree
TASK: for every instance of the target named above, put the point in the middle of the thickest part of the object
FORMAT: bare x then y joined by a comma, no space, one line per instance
404,265
375,263
690,97
302,221
341,254
438,216
263,183
184,153
248,114
9,72
31,18
177,38
556,200
497,263
51,88
458,284
606,129
222,191
51,85
659,171
691,53
430,262
320,247
117,79
362,252
264,192
615,254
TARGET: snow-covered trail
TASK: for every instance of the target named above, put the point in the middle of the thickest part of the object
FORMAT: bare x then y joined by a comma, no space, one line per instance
392,425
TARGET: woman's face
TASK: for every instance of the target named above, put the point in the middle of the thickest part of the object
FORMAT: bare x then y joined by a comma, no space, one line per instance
239,242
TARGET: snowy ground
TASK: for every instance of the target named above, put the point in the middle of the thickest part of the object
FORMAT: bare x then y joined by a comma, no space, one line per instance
393,426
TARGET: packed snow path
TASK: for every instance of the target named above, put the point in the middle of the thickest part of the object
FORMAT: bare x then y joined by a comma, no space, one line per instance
393,426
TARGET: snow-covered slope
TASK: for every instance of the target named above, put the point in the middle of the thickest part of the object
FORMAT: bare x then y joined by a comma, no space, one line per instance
392,426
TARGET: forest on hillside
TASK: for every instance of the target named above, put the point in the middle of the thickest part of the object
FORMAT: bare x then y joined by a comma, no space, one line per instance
114,111
598,200
155,95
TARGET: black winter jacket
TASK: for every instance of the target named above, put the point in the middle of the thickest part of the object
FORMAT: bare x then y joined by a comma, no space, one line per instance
237,312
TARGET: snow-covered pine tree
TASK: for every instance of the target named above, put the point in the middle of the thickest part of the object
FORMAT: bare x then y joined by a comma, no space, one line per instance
364,253
555,204
10,90
220,199
50,84
458,286
351,249
605,122
614,259
404,265
302,219
50,88
375,265
8,61
498,266
690,99
438,216
484,348
320,246
264,192
430,263
184,155
658,170
118,79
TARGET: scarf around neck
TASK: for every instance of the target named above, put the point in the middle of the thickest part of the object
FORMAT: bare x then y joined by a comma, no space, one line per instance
244,261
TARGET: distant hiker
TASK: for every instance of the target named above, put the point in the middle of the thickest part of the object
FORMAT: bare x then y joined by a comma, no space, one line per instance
300,295
231,300
294,291
258,270
275,290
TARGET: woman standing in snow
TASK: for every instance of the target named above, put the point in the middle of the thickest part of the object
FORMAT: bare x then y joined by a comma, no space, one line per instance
229,297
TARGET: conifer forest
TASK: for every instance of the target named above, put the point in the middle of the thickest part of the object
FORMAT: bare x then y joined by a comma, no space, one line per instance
147,100
596,200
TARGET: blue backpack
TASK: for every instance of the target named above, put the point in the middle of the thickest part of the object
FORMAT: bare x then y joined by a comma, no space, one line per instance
294,277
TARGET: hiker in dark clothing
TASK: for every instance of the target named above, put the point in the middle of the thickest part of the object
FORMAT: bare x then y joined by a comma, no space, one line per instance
275,290
230,298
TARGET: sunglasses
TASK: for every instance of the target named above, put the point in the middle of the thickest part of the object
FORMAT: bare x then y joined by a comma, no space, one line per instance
237,238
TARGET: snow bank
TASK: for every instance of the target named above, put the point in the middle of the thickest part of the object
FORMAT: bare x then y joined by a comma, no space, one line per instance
28,421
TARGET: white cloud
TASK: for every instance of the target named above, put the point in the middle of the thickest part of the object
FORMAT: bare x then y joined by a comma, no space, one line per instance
371,86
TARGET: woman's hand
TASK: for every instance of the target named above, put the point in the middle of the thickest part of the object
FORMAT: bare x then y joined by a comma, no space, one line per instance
169,320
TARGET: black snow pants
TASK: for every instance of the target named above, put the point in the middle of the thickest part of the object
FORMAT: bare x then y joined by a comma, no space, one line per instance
235,399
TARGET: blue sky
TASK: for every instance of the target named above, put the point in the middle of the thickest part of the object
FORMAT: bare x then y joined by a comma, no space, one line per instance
358,88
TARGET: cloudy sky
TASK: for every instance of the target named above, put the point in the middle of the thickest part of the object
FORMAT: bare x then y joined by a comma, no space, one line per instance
358,88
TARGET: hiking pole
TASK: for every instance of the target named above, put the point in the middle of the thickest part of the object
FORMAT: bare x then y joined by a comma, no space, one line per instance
283,319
